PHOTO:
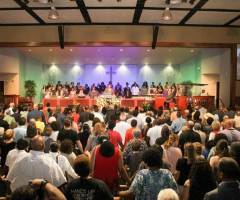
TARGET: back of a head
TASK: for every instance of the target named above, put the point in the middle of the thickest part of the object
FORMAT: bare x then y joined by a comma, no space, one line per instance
229,168
153,157
168,194
82,165
190,125
22,121
165,132
26,192
54,125
216,126
137,133
67,123
133,123
31,131
235,151
179,114
22,144
222,148
54,147
189,152
8,134
111,124
66,146
107,149
135,113
197,126
37,143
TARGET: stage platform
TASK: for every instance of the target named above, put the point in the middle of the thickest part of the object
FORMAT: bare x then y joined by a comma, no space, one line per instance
181,101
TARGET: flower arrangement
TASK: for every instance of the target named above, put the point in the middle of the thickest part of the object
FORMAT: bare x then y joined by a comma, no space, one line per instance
106,101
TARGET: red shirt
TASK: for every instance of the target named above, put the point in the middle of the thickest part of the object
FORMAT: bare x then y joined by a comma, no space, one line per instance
115,138
128,135
106,168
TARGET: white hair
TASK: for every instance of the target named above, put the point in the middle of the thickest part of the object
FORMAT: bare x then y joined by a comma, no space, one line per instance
167,194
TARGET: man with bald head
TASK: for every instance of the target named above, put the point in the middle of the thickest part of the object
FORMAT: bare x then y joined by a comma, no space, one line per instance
34,165
232,134
36,113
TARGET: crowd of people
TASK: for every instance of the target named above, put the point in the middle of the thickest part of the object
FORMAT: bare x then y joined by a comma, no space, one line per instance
93,153
78,90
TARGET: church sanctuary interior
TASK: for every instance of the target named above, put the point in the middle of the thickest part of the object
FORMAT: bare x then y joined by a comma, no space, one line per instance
119,99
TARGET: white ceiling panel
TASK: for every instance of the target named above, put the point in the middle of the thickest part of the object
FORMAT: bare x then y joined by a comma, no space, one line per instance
56,3
113,16
110,3
155,16
161,3
218,18
223,4
66,16
15,16
8,4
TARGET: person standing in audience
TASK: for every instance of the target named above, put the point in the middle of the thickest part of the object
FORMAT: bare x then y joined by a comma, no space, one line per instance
216,126
21,130
148,182
155,132
97,114
184,165
229,188
86,187
4,124
84,135
35,114
235,151
178,123
55,130
17,153
232,134
189,135
6,145
66,149
197,128
201,180
35,165
129,132
135,116
237,120
8,118
122,126
68,133
171,153
107,164
62,161
114,136
129,148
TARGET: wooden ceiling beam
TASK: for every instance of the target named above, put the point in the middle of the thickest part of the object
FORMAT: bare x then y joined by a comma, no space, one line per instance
232,20
29,11
197,7
155,36
61,36
84,11
138,11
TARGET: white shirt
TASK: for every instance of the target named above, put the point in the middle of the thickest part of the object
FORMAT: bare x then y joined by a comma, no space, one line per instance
54,135
34,165
63,163
99,116
237,121
139,122
135,90
122,127
14,155
154,133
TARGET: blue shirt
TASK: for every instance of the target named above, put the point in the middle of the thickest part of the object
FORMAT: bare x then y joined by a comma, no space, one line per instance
148,183
178,124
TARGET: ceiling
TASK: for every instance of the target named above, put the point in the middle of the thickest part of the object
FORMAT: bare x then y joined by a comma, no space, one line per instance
110,55
222,13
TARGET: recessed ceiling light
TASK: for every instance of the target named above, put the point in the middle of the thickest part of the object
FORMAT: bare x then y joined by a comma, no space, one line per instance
121,50
50,50
192,51
167,15
170,50
99,50
70,49
175,1
148,50
53,14
30,50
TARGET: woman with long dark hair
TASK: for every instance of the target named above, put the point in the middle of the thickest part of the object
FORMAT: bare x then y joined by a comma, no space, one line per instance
201,180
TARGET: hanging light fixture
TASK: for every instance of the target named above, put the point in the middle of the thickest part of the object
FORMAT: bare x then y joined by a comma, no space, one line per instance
53,14
173,2
167,15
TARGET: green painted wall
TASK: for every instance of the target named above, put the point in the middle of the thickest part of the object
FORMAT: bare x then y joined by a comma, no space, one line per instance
31,69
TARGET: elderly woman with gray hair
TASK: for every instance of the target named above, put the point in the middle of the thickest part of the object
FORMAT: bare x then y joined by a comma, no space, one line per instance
130,145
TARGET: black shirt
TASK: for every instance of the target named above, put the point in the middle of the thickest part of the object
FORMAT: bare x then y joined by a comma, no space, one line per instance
184,168
87,189
5,148
4,124
68,134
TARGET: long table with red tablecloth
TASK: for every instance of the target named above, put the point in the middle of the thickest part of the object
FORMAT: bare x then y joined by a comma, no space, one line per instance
181,101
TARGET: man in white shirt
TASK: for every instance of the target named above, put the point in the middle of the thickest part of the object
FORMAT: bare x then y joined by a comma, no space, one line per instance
62,161
122,126
155,132
139,121
97,114
35,165
17,153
